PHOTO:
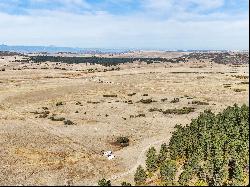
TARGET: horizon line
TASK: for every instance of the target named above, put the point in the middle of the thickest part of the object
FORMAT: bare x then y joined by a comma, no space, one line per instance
117,48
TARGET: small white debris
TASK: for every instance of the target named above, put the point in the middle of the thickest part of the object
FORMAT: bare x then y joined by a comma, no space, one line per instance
109,155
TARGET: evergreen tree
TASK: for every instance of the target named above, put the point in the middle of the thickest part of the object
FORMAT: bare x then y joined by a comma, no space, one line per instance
163,154
168,171
140,176
151,160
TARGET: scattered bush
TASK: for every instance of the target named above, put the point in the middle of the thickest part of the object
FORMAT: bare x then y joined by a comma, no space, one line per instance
78,103
243,83
199,103
240,76
239,90
175,100
155,110
111,95
122,141
146,101
68,122
131,94
59,103
44,114
93,102
57,119
184,110
140,115
104,182
125,184
129,102
164,99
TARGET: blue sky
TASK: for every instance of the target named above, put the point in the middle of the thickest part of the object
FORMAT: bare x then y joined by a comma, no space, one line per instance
145,24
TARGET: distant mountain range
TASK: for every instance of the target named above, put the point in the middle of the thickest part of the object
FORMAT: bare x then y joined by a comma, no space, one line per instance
55,49
34,49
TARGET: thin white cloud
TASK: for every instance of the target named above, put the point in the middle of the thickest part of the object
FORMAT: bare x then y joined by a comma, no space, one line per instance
206,4
105,30
182,29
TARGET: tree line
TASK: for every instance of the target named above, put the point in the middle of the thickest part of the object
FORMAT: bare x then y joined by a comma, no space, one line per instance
105,61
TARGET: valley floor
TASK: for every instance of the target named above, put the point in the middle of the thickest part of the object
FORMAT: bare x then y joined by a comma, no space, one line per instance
36,150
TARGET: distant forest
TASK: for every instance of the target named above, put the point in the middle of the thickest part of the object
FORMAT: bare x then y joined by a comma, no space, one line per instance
217,57
97,60
222,58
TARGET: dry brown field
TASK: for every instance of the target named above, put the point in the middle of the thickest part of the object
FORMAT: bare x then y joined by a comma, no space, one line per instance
36,150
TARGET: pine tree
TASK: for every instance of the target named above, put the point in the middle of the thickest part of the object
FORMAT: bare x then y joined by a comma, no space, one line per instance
163,154
140,176
151,161
168,171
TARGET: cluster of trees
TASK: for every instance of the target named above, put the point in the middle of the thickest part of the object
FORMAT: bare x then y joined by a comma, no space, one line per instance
220,57
214,148
224,58
96,60
211,150
234,59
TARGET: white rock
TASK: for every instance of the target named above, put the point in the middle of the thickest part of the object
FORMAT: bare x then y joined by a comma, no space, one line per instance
110,157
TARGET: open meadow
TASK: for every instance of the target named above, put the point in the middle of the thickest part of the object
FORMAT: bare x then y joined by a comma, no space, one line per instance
57,119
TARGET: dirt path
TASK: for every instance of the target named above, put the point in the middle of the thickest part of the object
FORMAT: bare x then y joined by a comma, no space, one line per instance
140,161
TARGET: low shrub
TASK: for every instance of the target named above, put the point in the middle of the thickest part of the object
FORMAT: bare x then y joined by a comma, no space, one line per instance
131,94
184,110
110,95
164,99
57,119
239,90
146,101
68,122
59,103
122,141
199,103
175,100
